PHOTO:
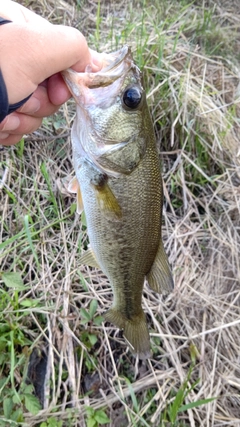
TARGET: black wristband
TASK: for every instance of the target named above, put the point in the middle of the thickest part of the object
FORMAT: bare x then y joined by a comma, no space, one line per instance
4,21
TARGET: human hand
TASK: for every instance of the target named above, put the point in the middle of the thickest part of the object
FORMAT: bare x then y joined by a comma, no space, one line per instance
32,54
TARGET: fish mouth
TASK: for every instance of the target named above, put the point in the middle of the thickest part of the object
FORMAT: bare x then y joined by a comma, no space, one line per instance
111,61
95,94
115,66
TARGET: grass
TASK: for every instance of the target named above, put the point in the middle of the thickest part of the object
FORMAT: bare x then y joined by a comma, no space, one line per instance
52,307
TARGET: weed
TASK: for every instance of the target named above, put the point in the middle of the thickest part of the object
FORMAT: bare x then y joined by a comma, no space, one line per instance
177,406
96,418
88,315
51,422
15,395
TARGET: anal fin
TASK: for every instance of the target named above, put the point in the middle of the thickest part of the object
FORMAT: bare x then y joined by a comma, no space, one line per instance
160,277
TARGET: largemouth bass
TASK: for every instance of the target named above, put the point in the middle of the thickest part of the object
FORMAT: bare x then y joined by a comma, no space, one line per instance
118,184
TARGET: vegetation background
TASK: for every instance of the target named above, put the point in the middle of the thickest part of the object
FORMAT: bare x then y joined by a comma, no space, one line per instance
60,364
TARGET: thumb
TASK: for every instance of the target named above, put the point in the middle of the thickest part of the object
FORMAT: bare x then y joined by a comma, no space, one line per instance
31,53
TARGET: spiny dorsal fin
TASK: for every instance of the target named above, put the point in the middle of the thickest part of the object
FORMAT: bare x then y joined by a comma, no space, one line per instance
160,277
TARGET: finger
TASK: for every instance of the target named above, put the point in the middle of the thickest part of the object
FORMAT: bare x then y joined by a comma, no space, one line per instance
17,13
97,61
32,106
19,124
63,47
58,92
21,15
39,105
9,124
10,139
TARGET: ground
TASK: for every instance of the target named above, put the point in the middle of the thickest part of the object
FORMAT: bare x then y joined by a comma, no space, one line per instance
51,307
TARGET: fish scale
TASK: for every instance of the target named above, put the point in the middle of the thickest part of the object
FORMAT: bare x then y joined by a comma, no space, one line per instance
120,188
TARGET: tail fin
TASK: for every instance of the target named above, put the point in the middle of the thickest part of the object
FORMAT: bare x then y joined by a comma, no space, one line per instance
135,331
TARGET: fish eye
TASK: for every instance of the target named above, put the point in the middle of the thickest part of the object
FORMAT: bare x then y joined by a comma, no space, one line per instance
132,97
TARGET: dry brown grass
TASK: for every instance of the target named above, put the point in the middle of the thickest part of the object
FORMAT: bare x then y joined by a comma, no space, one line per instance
194,98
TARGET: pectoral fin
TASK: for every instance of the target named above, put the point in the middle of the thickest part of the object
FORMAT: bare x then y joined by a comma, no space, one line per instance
80,206
107,201
160,277
74,187
88,258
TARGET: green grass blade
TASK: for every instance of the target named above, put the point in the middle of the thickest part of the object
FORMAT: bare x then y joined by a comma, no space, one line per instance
191,405
12,239
29,238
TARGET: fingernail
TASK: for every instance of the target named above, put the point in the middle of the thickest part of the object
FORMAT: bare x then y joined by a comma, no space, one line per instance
96,60
12,123
96,66
4,135
31,106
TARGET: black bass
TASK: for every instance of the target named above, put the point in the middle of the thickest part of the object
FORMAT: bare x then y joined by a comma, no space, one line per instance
120,188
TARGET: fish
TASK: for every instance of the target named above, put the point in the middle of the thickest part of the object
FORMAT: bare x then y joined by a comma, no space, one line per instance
119,186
